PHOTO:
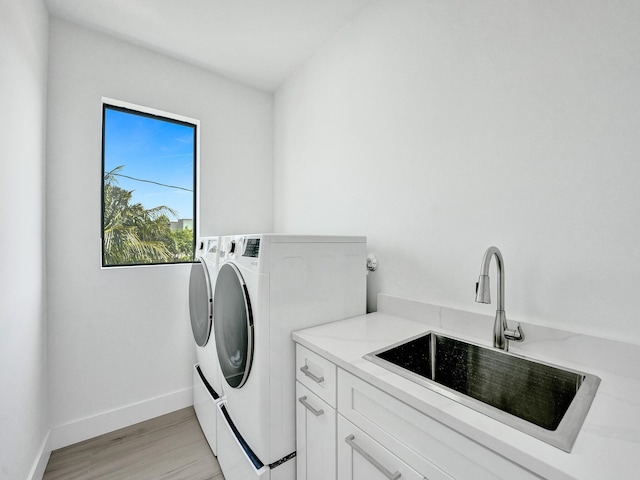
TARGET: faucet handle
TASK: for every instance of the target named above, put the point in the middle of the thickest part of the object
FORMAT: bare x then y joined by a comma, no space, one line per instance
516,335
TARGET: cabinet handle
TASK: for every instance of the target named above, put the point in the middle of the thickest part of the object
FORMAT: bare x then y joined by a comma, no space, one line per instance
303,401
351,440
308,373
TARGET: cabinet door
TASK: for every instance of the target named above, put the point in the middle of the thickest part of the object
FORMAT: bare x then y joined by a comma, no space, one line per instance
362,458
315,436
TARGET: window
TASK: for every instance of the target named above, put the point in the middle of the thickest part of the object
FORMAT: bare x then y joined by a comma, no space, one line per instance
149,186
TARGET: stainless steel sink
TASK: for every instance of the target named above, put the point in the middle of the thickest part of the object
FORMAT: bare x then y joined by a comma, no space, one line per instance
540,399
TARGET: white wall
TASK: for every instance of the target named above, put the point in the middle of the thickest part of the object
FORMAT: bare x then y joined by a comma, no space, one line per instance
438,128
23,387
121,336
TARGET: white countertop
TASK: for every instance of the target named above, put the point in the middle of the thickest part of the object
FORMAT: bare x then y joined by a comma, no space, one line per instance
608,445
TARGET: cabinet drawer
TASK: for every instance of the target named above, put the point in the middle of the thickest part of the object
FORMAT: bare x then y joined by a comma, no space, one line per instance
317,374
427,445
362,458
315,436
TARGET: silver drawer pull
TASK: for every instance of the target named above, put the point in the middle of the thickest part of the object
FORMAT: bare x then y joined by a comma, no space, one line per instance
352,443
303,400
308,373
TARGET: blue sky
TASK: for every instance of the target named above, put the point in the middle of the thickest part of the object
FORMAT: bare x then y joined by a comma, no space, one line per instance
155,150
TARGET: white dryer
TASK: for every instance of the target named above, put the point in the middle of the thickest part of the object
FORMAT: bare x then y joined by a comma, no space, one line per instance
268,286
207,379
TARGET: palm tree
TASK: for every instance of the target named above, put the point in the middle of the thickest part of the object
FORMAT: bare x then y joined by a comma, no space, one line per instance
132,234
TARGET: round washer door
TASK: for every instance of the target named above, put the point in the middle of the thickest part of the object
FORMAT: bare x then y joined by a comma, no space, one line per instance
200,303
233,325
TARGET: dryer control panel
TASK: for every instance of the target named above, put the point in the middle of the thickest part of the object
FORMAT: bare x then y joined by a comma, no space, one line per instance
252,248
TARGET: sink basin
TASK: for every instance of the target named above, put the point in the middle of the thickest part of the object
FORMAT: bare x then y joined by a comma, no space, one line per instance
543,400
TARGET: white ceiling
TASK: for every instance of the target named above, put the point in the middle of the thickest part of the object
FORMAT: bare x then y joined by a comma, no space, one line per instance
258,42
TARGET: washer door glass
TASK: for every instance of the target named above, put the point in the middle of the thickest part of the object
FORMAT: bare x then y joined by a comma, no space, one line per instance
233,325
200,303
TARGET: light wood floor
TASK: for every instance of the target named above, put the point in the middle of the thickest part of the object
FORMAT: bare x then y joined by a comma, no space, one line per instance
168,447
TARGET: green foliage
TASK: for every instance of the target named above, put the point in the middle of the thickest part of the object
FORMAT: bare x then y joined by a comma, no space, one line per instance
184,243
134,235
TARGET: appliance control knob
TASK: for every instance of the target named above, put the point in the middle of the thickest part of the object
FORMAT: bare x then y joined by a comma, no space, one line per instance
232,246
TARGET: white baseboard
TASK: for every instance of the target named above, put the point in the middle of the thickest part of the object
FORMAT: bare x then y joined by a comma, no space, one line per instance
40,464
89,427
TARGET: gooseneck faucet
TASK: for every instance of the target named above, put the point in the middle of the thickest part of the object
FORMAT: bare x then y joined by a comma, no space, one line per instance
501,332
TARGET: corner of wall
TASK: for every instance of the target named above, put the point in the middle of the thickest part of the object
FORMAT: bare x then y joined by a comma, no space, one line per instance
42,459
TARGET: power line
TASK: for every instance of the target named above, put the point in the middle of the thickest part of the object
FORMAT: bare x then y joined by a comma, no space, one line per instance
151,181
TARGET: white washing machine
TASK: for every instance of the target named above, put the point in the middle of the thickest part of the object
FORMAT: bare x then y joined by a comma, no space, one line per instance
207,379
268,286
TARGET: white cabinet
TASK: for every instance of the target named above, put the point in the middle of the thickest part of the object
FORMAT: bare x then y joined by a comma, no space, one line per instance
386,429
362,458
347,429
315,416
431,448
315,436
